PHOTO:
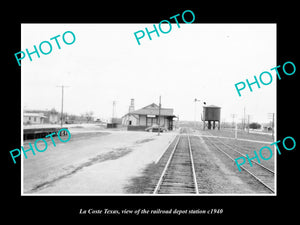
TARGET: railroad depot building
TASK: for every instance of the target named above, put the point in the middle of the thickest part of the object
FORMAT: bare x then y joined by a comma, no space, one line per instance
148,116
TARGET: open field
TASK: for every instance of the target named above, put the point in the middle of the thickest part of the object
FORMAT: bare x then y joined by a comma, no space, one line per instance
265,137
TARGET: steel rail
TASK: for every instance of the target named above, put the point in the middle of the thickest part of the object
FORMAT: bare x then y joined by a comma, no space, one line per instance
271,171
166,167
228,146
255,177
161,155
193,166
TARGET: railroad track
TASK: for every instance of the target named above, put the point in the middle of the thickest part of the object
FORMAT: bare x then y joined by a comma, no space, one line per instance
178,176
262,174
234,147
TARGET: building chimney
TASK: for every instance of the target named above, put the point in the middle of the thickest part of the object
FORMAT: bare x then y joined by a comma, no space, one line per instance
131,107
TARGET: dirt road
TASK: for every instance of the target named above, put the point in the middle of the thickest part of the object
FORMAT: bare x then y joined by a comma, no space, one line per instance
91,162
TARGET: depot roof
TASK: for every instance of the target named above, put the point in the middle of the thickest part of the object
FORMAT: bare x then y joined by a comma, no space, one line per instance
153,109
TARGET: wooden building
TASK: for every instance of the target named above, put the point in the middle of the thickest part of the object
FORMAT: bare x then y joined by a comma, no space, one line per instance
148,116
33,118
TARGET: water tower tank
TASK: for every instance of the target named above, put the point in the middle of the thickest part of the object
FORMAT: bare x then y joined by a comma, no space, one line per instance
211,113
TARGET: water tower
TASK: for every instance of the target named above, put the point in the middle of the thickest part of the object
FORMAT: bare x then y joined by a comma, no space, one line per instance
211,115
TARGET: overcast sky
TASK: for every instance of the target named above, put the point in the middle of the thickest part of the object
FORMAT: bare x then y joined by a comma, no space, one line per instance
105,63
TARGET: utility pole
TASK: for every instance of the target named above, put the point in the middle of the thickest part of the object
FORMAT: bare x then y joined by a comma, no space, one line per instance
159,107
235,132
272,115
273,126
195,111
113,112
62,103
244,120
248,123
234,122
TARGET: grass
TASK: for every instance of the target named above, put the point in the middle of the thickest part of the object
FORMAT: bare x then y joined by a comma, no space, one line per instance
144,183
144,140
112,155
241,135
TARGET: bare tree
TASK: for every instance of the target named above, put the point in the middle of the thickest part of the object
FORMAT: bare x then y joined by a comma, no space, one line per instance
89,116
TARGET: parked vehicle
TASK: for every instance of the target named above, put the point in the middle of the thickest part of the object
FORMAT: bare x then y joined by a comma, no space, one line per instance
155,127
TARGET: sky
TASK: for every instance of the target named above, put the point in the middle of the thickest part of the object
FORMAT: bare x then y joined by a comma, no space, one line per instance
106,64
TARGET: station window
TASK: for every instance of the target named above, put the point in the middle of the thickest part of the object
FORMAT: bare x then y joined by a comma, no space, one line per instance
151,121
154,121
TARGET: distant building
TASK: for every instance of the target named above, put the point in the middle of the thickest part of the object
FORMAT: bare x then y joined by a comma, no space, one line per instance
49,116
116,120
267,128
53,116
33,118
148,116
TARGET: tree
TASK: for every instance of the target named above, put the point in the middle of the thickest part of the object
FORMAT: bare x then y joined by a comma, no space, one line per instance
89,116
254,126
53,111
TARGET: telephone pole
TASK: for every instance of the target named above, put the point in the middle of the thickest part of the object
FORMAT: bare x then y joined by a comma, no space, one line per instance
62,103
159,107
114,111
272,115
195,111
234,123
244,120
248,123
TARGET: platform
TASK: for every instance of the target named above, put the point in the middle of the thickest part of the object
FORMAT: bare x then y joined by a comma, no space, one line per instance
33,133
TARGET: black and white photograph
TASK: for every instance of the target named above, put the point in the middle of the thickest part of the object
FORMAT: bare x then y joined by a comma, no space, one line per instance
160,117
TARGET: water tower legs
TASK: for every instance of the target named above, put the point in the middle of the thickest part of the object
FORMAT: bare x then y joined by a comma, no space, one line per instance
211,124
